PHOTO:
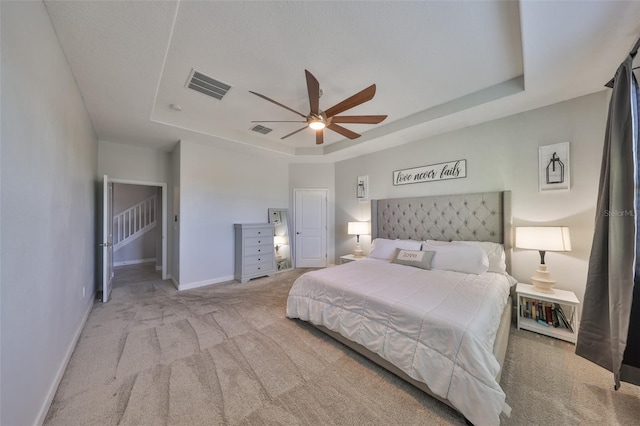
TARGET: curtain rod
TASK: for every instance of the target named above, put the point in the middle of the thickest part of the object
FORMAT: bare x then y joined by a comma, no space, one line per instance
633,52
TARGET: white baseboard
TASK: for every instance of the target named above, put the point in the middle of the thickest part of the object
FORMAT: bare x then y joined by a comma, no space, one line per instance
67,357
204,283
134,262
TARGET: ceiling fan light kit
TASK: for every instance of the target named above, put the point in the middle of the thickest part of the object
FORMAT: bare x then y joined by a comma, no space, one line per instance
317,120
316,124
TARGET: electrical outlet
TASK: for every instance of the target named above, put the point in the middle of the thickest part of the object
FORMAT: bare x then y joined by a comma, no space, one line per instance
84,291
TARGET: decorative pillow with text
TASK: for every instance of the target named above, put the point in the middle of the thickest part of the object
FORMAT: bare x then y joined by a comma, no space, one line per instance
417,258
382,248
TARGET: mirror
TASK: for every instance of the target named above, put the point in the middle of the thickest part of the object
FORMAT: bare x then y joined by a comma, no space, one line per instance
280,219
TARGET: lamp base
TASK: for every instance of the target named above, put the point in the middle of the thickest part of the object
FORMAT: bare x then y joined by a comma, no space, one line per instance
357,252
542,280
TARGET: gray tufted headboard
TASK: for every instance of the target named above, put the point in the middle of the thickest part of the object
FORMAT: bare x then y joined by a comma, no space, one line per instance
484,216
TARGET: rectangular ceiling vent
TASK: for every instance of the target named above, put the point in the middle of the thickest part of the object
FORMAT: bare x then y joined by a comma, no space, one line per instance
207,85
261,129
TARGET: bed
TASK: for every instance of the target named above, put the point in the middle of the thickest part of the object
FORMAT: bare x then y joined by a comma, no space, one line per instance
444,328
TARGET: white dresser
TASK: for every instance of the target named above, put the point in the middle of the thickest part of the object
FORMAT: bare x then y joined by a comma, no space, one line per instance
254,251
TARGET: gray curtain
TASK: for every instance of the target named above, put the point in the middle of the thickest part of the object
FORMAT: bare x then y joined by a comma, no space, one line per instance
608,301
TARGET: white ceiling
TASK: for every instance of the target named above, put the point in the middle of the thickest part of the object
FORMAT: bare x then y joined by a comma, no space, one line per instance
438,66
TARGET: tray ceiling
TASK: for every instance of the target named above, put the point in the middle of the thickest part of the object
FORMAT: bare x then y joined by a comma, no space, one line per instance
438,66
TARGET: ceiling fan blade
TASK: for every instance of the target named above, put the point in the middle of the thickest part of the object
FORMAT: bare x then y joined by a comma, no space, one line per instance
313,87
355,100
276,121
293,133
344,132
278,103
319,137
363,119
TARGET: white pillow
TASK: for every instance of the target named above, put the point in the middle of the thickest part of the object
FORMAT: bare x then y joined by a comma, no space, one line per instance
458,258
437,242
495,253
382,248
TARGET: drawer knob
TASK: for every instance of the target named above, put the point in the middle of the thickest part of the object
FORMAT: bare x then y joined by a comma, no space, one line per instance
259,250
259,241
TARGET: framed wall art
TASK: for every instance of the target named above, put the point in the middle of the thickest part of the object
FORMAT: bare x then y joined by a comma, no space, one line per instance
362,188
554,167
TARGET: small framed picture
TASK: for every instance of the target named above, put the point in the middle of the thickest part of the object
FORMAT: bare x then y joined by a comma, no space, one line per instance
554,167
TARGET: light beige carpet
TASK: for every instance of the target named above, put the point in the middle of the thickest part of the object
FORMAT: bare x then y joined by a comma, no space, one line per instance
226,354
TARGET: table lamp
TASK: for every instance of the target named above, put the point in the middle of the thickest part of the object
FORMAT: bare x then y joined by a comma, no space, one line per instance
357,229
543,239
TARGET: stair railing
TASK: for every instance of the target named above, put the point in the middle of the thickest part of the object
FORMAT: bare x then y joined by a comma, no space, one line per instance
133,222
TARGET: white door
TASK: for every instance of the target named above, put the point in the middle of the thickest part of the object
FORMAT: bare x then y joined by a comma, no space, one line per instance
107,238
311,227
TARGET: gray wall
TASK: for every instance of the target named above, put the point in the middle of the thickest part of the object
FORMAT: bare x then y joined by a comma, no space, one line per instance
126,195
48,198
501,155
218,188
144,247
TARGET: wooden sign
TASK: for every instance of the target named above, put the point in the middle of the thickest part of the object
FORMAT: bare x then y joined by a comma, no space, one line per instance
441,171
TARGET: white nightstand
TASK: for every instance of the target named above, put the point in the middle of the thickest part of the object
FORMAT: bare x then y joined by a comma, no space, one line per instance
528,300
350,258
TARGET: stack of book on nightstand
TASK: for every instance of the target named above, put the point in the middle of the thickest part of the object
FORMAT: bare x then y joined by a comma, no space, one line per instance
545,313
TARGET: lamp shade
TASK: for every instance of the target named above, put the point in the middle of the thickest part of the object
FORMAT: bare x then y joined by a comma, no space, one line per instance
358,228
543,238
280,240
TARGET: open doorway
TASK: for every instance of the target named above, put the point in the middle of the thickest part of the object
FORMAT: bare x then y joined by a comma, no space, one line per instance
139,232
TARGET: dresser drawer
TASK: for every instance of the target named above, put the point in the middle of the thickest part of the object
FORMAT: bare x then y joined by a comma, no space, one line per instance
259,241
266,258
258,232
260,267
253,250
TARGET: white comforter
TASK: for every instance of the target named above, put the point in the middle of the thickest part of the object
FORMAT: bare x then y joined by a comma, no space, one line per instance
439,327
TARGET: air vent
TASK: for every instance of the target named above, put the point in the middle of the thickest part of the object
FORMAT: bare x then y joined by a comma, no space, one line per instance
261,129
207,85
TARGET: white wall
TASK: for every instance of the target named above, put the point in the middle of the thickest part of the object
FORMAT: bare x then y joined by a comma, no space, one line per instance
217,189
501,155
316,176
131,162
48,193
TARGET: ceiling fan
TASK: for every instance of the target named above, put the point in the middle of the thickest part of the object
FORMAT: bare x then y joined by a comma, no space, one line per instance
318,119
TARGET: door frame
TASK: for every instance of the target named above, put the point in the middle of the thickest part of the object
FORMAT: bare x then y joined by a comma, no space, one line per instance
106,257
165,204
295,225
